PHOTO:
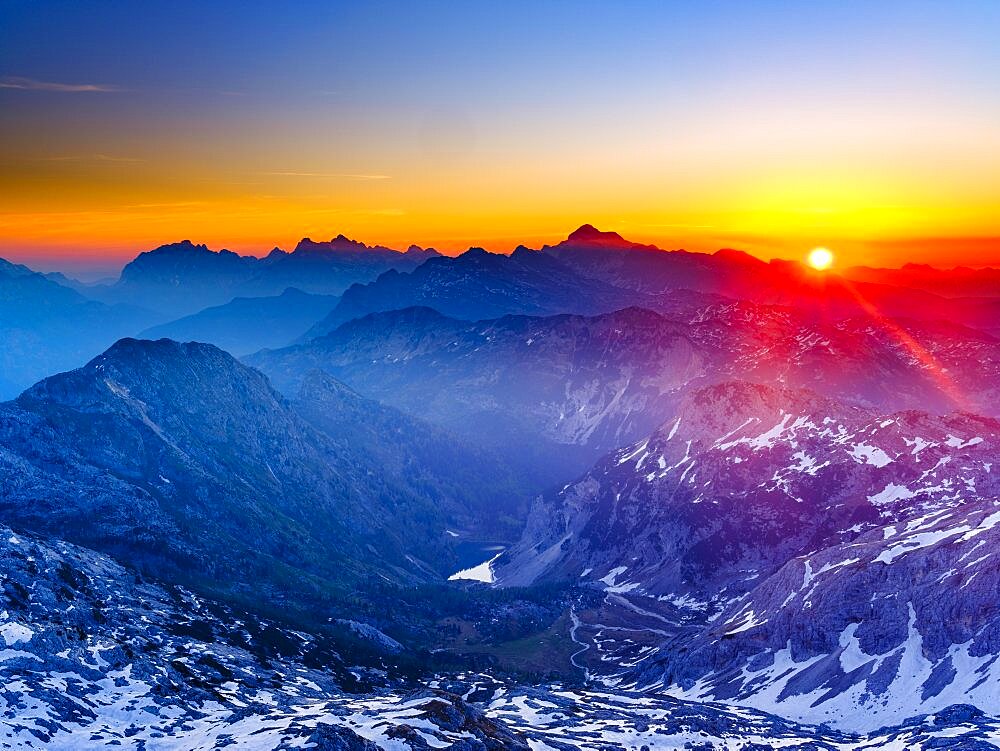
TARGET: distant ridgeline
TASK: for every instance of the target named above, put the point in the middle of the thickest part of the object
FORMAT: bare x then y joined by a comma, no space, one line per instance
683,480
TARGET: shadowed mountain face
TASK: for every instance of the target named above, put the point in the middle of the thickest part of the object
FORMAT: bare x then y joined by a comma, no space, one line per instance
46,327
924,295
182,278
85,637
958,282
479,285
595,272
555,393
482,496
248,324
715,480
181,461
808,557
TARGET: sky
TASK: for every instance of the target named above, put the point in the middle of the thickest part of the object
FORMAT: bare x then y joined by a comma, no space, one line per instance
871,128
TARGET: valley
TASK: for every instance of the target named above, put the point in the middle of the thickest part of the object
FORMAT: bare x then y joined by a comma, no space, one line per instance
596,495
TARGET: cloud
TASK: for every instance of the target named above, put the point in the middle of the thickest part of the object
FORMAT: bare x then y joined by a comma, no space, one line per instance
333,175
31,84
92,158
166,205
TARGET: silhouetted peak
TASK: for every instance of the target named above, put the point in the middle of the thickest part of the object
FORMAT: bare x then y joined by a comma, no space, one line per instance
738,256
14,269
340,242
475,253
588,234
184,246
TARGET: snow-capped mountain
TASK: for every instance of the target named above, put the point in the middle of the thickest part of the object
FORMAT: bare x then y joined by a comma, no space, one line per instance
706,502
96,656
557,392
794,554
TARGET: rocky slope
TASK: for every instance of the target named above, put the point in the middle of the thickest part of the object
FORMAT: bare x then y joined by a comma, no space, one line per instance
556,392
181,461
95,656
791,553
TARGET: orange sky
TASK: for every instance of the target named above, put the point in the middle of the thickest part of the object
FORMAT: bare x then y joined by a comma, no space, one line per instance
874,131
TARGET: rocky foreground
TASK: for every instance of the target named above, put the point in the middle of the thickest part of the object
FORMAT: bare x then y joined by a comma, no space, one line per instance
95,656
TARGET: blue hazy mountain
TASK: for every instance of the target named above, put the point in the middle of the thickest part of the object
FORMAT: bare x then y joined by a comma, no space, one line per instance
247,324
556,392
594,272
46,327
183,463
182,278
478,285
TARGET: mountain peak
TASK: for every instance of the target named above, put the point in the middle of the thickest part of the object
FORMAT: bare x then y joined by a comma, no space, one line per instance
14,269
339,243
737,256
589,235
184,246
132,350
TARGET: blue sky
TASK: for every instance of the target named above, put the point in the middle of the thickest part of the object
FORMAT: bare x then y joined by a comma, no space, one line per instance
610,107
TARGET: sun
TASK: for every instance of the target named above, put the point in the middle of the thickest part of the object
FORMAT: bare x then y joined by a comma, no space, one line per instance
820,259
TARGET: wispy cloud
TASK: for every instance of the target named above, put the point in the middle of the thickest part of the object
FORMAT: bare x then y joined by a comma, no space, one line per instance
32,84
331,175
166,205
92,158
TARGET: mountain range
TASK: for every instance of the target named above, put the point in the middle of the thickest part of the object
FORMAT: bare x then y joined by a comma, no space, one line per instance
46,327
803,557
189,466
588,496
245,325
182,278
556,392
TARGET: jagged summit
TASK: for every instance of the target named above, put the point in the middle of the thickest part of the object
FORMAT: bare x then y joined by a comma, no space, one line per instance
184,246
588,234
132,351
340,242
